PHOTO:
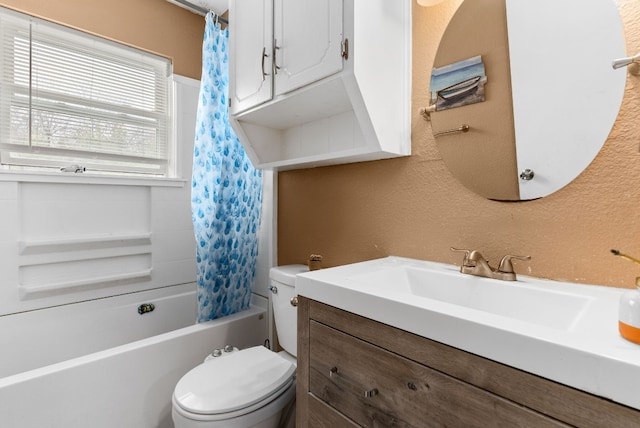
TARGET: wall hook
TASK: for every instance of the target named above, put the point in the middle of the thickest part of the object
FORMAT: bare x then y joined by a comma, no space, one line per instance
425,112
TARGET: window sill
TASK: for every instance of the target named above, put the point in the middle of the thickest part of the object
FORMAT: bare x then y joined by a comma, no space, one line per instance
84,178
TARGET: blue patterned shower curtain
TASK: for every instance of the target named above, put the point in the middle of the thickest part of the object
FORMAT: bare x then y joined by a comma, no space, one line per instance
226,192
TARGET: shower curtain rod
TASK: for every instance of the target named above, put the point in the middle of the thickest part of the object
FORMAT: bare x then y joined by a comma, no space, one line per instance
201,10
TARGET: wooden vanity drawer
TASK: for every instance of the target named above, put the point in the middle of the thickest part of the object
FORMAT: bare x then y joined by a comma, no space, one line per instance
378,388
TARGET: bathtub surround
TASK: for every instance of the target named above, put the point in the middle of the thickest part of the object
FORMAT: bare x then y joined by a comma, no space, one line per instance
79,232
67,238
226,192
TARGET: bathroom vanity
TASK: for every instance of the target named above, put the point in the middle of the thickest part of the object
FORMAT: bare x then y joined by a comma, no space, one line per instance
356,371
388,377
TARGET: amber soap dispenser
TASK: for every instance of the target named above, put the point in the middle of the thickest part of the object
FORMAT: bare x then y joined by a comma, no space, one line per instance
629,311
629,316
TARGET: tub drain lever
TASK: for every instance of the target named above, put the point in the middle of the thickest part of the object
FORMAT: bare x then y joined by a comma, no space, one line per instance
146,307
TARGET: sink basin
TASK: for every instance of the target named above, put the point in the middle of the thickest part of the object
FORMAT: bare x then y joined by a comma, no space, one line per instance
517,300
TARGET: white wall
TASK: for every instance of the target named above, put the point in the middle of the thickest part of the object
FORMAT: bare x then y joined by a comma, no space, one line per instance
68,238
267,246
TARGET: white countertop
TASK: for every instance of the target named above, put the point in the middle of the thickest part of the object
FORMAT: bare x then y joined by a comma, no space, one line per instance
589,355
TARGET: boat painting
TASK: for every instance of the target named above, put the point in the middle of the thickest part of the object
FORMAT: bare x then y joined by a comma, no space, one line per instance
461,89
458,84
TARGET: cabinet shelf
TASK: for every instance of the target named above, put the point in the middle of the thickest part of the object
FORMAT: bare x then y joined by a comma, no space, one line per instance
306,105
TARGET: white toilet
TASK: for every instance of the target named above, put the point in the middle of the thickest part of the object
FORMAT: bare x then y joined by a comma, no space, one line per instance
253,387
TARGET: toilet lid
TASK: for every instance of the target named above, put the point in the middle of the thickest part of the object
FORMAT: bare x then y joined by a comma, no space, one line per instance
233,381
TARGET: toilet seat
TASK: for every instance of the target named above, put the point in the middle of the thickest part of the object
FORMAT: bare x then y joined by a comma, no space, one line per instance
214,390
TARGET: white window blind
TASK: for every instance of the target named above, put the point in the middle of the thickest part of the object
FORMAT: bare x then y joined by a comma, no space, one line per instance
67,97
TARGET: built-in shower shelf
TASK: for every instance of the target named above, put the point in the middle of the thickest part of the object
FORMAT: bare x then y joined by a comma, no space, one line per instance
39,246
66,286
62,265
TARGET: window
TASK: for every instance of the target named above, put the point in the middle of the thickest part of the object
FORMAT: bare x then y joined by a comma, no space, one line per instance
70,98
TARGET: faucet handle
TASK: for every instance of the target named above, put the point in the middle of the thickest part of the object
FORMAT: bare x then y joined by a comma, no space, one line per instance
476,256
462,250
505,264
471,257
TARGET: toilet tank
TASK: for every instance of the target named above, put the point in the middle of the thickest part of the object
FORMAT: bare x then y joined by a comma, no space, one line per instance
283,282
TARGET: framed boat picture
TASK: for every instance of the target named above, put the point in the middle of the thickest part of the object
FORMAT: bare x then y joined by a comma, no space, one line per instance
458,84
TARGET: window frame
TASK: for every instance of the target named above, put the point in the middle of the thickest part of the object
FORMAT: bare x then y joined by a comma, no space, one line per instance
105,164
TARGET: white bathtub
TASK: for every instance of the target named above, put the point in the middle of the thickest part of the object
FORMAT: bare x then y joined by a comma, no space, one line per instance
99,364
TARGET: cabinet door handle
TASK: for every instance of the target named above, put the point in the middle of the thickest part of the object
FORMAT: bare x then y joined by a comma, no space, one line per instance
264,55
345,49
357,389
276,48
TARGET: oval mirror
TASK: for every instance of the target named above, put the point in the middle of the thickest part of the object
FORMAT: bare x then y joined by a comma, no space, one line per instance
550,94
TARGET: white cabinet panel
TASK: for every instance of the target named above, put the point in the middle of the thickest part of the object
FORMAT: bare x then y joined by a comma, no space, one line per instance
251,53
308,42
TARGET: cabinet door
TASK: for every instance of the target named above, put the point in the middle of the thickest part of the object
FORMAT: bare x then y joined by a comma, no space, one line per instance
251,50
308,41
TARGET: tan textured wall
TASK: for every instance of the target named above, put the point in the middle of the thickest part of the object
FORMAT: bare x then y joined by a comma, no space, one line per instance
153,25
413,207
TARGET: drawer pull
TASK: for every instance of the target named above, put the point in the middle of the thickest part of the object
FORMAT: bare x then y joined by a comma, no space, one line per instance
357,389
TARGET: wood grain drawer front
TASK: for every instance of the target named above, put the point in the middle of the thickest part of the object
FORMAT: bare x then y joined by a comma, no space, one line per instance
323,416
401,392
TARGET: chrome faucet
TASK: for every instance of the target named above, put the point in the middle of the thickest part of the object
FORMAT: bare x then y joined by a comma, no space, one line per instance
474,263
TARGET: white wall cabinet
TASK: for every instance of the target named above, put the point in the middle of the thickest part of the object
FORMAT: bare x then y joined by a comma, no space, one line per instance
281,46
318,82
